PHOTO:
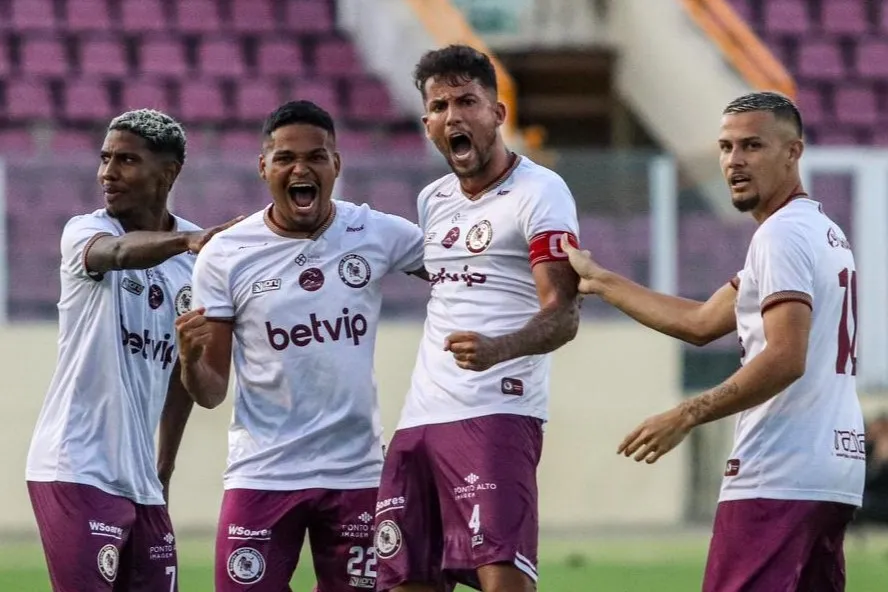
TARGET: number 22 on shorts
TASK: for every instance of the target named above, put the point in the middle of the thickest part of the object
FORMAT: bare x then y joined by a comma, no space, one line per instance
358,576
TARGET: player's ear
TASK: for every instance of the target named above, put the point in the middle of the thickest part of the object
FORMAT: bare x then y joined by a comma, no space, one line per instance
796,148
171,171
425,124
500,113
337,163
262,166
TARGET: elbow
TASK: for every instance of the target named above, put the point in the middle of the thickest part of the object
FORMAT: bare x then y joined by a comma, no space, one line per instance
209,401
120,256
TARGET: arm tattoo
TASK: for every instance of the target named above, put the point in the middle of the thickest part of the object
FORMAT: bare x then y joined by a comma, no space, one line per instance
712,405
551,327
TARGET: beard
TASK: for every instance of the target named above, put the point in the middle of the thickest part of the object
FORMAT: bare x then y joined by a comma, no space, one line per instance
746,204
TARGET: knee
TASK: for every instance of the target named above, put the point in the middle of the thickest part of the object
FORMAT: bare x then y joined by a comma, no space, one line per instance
504,577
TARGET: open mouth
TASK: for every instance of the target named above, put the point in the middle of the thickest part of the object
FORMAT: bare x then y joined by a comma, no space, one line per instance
303,193
460,145
739,181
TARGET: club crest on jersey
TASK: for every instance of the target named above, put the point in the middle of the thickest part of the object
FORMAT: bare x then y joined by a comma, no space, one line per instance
479,236
246,565
354,271
388,539
183,300
155,296
108,560
451,238
311,279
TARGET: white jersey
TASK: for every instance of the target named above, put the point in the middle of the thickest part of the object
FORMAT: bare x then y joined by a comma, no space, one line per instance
305,314
806,443
116,355
479,253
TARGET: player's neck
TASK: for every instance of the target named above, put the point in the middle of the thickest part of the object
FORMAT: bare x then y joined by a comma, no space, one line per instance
148,221
501,163
281,228
791,190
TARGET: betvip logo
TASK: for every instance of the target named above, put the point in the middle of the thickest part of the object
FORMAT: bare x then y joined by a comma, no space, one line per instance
319,330
148,346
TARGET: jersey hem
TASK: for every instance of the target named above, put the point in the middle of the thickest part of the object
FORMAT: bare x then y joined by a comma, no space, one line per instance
469,414
794,494
258,484
66,478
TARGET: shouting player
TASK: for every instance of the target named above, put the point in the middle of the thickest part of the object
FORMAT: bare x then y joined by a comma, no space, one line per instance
459,489
796,473
97,491
294,291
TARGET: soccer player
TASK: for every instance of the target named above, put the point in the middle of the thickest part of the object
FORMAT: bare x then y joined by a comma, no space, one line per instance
295,292
97,492
459,490
796,473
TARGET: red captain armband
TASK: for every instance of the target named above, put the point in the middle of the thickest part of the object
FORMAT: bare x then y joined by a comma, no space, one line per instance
546,246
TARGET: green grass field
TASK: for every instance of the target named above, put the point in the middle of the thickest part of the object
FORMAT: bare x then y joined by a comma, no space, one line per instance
638,564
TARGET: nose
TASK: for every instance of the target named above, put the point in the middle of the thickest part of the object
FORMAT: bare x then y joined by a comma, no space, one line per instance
108,171
454,115
736,158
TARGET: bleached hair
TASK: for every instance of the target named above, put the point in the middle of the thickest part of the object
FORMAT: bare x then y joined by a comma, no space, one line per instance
164,134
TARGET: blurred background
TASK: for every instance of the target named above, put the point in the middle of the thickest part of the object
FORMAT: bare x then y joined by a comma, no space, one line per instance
621,97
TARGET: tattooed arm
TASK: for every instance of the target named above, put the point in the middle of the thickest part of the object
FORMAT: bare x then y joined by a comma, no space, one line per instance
554,325
780,363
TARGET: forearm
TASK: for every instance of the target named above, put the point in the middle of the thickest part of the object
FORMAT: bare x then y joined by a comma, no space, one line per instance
548,330
763,378
670,315
136,250
205,386
173,419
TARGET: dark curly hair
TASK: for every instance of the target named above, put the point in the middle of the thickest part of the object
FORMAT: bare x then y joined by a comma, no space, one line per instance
456,64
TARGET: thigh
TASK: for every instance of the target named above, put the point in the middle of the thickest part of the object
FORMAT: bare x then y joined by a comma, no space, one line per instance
259,538
408,535
150,553
760,544
485,471
83,531
825,568
341,536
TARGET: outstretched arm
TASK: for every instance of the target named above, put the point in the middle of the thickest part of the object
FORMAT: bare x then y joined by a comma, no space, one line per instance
697,323
176,411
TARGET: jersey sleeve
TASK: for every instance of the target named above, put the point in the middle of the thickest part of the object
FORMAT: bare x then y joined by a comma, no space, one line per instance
78,236
783,267
211,284
547,213
405,241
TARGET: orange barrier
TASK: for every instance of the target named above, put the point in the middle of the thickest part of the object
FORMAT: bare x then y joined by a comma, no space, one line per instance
447,25
740,45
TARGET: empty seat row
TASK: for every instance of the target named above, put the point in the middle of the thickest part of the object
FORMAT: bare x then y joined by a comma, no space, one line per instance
257,16
799,17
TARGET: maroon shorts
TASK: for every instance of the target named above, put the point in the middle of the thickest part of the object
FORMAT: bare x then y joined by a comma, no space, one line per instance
786,545
261,533
457,496
97,541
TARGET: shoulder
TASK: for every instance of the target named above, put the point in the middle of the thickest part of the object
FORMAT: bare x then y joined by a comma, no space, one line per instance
536,178
442,187
360,218
229,241
97,221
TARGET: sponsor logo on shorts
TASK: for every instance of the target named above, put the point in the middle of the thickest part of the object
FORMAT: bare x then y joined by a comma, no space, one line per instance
361,529
362,582
97,528
392,503
849,444
132,286
388,539
354,271
244,533
246,565
732,468
512,386
165,551
475,485
266,286
183,300
108,561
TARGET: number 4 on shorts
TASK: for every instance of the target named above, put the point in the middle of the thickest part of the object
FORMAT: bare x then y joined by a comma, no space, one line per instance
475,520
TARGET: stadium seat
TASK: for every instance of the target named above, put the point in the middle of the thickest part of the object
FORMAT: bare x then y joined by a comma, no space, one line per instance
810,103
309,16
843,17
16,143
872,59
163,56
221,57
201,101
26,15
240,143
253,16
197,16
255,99
856,105
370,101
28,99
408,143
73,141
281,57
786,17
103,57
743,9
87,16
336,57
145,93
86,100
821,60
43,57
320,92
142,16
5,63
